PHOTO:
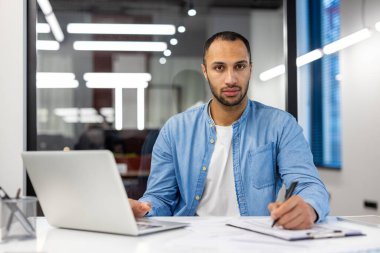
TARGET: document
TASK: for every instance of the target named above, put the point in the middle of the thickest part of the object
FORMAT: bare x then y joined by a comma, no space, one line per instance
264,226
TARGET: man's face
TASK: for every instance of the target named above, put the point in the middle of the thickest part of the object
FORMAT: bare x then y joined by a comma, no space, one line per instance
227,71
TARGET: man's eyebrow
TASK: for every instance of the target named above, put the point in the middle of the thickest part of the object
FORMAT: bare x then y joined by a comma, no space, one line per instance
222,63
242,61
218,63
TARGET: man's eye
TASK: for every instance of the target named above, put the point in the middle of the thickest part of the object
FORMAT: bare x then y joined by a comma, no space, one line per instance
241,66
219,68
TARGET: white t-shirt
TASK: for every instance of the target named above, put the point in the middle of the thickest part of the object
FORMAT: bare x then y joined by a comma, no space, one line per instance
219,196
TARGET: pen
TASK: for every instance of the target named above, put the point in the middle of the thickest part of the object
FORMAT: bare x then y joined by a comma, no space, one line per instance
288,194
18,193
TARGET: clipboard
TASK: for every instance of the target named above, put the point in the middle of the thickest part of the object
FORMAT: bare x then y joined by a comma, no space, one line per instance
320,231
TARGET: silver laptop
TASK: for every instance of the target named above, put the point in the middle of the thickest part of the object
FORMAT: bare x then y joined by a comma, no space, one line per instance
83,190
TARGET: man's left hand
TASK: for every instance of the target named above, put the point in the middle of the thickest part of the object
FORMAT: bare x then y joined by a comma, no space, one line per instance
294,213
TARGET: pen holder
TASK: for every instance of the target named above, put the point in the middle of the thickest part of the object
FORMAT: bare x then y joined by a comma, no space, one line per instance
17,220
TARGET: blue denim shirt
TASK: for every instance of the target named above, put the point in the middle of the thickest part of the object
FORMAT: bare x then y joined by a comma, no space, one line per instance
269,149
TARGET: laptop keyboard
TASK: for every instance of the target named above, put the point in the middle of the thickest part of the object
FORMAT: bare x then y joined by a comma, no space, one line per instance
144,226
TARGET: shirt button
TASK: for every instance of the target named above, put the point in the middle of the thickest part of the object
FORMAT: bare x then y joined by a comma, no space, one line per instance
212,141
211,125
197,197
204,168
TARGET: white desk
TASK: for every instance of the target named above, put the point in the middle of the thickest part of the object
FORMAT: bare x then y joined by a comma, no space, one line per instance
203,235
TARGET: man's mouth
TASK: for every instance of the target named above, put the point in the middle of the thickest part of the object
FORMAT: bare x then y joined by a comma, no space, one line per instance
231,92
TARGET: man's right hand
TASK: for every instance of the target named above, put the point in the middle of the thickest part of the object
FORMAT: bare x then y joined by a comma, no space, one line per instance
139,208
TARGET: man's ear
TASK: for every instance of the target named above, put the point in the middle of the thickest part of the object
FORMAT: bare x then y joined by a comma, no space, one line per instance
204,71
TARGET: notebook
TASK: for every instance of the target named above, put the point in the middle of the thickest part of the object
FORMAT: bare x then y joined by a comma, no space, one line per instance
264,226
83,190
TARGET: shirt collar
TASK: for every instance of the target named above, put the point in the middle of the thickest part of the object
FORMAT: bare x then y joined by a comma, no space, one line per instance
237,122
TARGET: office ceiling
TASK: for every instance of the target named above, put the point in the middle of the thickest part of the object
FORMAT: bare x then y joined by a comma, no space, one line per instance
125,6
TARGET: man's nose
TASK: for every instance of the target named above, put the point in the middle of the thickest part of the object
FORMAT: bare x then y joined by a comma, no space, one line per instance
231,77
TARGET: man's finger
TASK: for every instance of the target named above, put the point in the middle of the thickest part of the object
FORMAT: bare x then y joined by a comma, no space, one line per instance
294,223
288,205
274,205
289,217
139,209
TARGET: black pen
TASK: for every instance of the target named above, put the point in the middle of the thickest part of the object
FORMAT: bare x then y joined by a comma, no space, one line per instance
288,194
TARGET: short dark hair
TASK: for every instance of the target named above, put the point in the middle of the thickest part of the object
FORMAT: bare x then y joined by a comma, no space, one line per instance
229,36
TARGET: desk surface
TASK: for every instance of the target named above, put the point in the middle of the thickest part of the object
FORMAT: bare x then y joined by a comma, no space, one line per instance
209,234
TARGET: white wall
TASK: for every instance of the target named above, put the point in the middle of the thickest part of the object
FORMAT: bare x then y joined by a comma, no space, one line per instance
267,45
360,100
12,91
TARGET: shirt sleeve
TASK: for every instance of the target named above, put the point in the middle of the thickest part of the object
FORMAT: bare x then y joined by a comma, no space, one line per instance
295,163
162,188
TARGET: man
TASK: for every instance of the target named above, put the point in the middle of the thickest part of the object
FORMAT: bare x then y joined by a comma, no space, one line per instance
231,156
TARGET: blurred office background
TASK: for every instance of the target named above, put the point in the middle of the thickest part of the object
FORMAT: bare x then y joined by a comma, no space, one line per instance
95,96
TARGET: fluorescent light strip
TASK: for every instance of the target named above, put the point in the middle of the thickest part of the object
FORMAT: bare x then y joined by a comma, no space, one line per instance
118,108
45,6
43,28
141,29
117,77
140,109
273,72
309,57
50,45
347,41
377,26
83,119
66,111
120,46
54,76
57,84
55,27
109,85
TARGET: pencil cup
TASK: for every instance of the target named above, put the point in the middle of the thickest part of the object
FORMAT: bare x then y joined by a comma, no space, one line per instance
17,218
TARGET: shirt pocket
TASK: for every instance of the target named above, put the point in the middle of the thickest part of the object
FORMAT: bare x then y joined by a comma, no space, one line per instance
262,166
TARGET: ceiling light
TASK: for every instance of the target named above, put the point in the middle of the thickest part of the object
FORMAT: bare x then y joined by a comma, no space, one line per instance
271,73
55,27
140,109
107,111
66,111
162,60
120,46
57,84
47,45
173,41
309,57
117,77
141,29
108,85
181,29
118,108
192,12
347,41
43,28
167,52
45,6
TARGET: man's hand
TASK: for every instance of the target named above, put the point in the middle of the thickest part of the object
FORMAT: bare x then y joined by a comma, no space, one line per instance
139,208
294,213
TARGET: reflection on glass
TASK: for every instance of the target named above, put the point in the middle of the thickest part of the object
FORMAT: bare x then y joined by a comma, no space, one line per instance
120,70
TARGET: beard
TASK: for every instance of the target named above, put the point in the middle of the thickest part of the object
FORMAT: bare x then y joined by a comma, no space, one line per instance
223,100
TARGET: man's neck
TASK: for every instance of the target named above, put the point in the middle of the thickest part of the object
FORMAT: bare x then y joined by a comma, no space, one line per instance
226,115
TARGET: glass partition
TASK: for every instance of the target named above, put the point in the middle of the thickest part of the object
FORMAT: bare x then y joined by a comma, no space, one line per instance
111,73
